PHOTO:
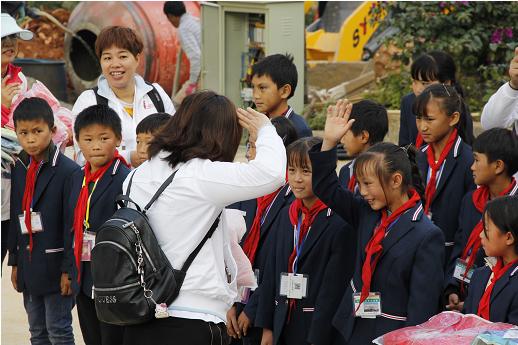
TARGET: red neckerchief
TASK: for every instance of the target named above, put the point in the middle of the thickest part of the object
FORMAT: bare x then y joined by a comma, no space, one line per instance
352,183
419,141
12,73
374,248
499,270
430,155
252,240
480,198
81,205
296,208
28,194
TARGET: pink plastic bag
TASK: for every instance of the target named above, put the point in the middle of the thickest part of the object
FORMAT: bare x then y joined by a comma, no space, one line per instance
62,116
445,328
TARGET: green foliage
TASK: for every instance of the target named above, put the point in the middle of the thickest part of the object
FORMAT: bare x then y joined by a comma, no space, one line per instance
481,37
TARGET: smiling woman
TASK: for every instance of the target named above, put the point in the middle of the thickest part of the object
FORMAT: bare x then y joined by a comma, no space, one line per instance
119,50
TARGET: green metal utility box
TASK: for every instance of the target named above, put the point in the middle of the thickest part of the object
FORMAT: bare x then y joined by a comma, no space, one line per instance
237,34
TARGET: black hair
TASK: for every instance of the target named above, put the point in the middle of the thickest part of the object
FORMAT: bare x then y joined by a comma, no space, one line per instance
371,117
33,109
285,130
297,151
174,8
386,159
499,144
280,68
98,114
450,102
436,66
502,212
152,123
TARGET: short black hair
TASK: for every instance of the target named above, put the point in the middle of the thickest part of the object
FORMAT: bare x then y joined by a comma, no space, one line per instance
285,129
371,117
174,8
33,109
98,114
298,151
152,123
280,68
499,144
502,212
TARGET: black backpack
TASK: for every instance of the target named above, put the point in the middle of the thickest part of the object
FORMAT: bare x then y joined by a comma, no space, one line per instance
132,276
153,95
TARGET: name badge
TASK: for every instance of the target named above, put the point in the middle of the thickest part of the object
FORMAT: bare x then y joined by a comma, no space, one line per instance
294,285
88,244
370,308
460,271
36,223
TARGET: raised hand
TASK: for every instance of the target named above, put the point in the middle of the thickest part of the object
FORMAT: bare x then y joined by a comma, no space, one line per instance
337,123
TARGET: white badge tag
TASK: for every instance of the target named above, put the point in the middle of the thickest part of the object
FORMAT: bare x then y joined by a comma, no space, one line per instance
370,308
460,271
36,223
294,285
88,244
161,311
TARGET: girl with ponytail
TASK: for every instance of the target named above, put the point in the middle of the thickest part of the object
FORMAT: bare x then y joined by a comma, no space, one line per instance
398,273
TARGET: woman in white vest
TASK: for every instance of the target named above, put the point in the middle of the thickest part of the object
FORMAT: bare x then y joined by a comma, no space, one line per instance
119,51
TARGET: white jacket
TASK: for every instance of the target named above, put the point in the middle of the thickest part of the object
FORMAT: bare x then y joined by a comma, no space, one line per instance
142,107
502,109
183,214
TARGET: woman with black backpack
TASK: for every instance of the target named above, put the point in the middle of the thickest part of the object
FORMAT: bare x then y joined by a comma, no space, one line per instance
200,143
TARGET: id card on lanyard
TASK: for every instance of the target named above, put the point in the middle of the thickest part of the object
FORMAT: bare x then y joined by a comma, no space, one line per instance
88,236
36,220
294,285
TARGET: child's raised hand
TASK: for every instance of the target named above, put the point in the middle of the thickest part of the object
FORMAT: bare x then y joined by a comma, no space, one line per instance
337,123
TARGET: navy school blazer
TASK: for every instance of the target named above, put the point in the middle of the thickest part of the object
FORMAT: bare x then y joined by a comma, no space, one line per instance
102,207
409,274
469,216
327,258
41,273
504,297
301,126
455,181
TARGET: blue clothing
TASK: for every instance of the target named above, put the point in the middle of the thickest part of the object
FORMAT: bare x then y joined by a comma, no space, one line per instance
327,259
409,274
300,125
102,207
50,318
504,297
456,179
39,274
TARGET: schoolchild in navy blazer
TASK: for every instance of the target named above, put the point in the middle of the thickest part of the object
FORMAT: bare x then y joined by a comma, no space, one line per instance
409,273
327,259
493,292
445,161
39,273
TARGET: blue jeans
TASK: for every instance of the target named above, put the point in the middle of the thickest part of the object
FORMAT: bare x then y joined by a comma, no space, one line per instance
50,319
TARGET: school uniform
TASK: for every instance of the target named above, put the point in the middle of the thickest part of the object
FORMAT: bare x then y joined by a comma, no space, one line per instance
301,126
326,258
346,174
504,297
40,270
469,216
264,249
102,207
454,180
409,274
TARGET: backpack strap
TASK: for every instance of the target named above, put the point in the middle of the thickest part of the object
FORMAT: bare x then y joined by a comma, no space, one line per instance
156,99
123,199
98,98
159,191
195,252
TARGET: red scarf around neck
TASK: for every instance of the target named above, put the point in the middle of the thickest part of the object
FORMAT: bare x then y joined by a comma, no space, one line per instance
419,141
480,198
374,247
435,167
499,270
28,194
81,206
352,183
251,242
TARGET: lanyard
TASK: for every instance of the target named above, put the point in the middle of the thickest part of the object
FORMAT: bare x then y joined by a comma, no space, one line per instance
263,218
87,215
298,248
35,178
